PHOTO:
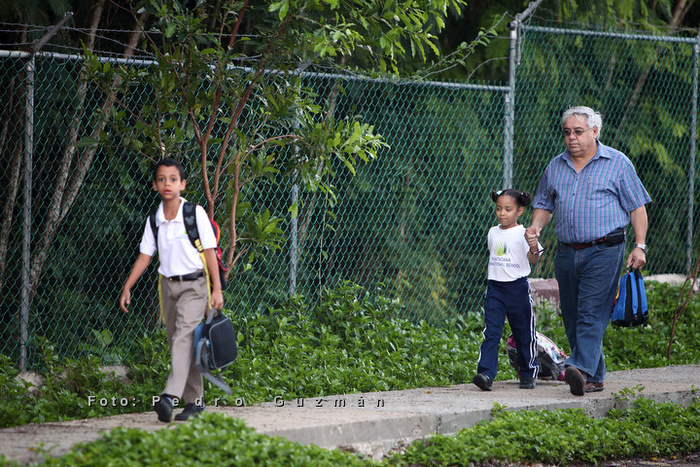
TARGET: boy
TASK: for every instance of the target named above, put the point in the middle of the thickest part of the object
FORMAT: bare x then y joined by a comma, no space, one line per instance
183,285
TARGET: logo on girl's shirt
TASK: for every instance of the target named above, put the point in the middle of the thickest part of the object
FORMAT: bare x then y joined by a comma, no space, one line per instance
500,249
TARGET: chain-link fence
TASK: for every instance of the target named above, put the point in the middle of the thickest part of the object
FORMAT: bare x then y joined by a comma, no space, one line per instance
645,86
413,222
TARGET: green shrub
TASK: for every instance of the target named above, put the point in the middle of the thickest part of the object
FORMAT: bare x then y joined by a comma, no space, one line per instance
210,439
645,429
647,347
349,343
15,393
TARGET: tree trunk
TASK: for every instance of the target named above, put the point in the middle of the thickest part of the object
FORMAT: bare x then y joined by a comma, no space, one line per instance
74,164
679,13
15,165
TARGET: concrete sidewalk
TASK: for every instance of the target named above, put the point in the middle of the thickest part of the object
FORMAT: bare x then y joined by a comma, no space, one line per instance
376,423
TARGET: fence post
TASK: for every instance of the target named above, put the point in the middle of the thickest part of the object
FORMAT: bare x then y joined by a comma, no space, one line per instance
509,111
294,224
293,242
27,212
27,193
693,140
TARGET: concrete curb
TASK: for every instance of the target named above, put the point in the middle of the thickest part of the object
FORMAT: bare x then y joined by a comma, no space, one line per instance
374,424
418,413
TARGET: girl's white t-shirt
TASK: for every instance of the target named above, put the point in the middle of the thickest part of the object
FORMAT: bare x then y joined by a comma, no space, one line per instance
508,254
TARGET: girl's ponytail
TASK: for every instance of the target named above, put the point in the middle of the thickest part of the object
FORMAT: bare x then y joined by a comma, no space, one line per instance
523,198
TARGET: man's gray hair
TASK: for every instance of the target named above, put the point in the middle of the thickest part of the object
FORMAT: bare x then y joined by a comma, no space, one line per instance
592,117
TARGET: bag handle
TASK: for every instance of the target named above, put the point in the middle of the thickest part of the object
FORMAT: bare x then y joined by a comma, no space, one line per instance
210,316
632,287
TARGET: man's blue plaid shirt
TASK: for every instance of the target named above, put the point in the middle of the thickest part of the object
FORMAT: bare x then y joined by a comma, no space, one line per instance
592,203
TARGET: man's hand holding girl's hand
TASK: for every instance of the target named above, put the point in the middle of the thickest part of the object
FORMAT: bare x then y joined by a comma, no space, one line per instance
532,235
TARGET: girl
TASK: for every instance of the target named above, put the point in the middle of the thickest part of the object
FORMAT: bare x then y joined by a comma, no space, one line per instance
508,291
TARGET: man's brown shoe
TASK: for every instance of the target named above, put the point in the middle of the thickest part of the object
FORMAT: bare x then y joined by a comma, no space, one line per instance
594,387
575,380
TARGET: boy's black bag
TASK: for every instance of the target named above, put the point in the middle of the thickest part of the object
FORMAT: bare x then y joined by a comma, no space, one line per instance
215,347
188,214
630,305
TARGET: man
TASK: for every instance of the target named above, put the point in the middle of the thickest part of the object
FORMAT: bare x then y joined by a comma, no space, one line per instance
595,193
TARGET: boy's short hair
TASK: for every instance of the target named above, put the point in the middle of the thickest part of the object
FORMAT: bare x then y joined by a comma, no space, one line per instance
168,162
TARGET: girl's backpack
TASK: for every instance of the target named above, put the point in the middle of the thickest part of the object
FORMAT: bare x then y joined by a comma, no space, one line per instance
630,306
550,357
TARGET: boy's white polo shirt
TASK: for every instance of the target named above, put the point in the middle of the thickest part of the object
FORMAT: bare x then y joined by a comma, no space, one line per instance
176,253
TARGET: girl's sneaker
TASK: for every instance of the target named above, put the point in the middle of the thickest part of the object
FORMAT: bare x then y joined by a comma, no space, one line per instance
527,383
483,381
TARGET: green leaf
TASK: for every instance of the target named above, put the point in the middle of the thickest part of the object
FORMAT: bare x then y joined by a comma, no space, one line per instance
284,10
294,209
86,141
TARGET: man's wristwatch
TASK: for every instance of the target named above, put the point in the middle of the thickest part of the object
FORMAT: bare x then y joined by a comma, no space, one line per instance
641,246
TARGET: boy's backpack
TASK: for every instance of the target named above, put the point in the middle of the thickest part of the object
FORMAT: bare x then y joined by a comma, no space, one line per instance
550,357
188,214
630,305
215,347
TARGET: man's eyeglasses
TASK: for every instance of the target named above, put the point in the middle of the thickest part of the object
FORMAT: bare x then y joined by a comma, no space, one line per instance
577,131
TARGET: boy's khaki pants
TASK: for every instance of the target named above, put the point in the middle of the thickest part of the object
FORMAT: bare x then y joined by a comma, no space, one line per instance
184,303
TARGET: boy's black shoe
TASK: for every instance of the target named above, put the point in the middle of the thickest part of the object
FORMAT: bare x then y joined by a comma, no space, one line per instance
527,383
164,409
483,381
191,410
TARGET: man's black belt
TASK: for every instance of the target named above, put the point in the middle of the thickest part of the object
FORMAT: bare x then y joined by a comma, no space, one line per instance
187,277
615,237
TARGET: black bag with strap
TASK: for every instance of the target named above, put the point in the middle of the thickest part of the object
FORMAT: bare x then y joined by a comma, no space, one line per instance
215,347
